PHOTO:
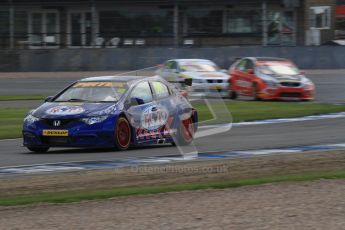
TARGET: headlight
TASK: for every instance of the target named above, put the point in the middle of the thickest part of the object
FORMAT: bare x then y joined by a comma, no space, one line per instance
94,120
270,81
30,119
270,84
307,84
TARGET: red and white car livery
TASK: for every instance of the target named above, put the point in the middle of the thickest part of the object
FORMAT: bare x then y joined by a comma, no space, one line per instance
269,78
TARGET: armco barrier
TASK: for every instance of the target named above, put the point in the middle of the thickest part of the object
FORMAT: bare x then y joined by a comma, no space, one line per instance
322,57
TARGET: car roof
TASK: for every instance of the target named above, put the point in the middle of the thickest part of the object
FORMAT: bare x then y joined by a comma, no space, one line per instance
191,60
121,78
269,59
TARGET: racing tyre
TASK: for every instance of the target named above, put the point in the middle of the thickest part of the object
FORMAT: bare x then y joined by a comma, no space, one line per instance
38,149
186,132
123,134
233,95
255,93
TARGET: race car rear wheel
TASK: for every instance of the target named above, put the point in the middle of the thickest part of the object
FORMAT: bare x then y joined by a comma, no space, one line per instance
122,134
232,95
186,132
38,149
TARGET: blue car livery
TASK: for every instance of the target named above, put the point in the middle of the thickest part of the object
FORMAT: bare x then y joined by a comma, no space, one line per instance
111,112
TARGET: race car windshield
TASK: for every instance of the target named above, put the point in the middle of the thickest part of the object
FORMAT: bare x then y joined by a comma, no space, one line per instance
93,92
278,69
199,67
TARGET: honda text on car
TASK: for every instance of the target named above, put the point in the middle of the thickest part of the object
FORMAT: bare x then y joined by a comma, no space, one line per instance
111,112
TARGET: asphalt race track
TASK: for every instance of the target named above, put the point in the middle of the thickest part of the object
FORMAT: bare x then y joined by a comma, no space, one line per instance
330,87
325,131
330,84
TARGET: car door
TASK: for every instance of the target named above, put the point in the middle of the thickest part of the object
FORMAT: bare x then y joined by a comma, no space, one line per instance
166,107
248,77
238,80
141,110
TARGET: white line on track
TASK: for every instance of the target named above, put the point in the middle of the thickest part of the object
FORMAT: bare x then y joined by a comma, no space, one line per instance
68,166
13,139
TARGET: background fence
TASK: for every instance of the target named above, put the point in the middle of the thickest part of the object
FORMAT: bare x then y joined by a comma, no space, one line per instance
322,57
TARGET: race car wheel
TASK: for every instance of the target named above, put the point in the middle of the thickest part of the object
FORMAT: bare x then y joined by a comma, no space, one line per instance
255,93
122,134
233,95
186,132
38,149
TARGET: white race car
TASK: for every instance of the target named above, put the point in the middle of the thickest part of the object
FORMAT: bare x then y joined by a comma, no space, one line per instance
206,76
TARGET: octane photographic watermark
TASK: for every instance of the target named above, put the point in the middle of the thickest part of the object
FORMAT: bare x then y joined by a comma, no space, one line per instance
181,169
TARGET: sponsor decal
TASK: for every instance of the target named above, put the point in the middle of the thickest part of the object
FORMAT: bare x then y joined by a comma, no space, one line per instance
55,133
71,103
65,110
99,84
163,132
154,118
244,84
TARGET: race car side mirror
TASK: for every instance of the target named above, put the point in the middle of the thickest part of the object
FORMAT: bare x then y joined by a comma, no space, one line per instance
137,101
49,99
188,81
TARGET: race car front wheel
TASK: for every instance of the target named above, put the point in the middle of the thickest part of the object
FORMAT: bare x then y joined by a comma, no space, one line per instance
186,132
122,134
232,95
255,92
38,149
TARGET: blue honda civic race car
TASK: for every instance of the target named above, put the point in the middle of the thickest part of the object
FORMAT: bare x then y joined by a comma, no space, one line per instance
112,111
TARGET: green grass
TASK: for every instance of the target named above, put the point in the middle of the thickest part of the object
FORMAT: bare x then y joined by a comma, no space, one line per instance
250,110
21,97
11,119
76,196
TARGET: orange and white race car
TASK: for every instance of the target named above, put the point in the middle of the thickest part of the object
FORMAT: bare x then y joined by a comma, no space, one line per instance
269,78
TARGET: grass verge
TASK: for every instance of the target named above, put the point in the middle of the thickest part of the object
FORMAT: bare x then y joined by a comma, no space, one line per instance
67,197
252,110
21,97
11,118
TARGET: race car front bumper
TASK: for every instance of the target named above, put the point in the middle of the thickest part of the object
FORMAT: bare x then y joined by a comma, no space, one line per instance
287,93
78,135
213,89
